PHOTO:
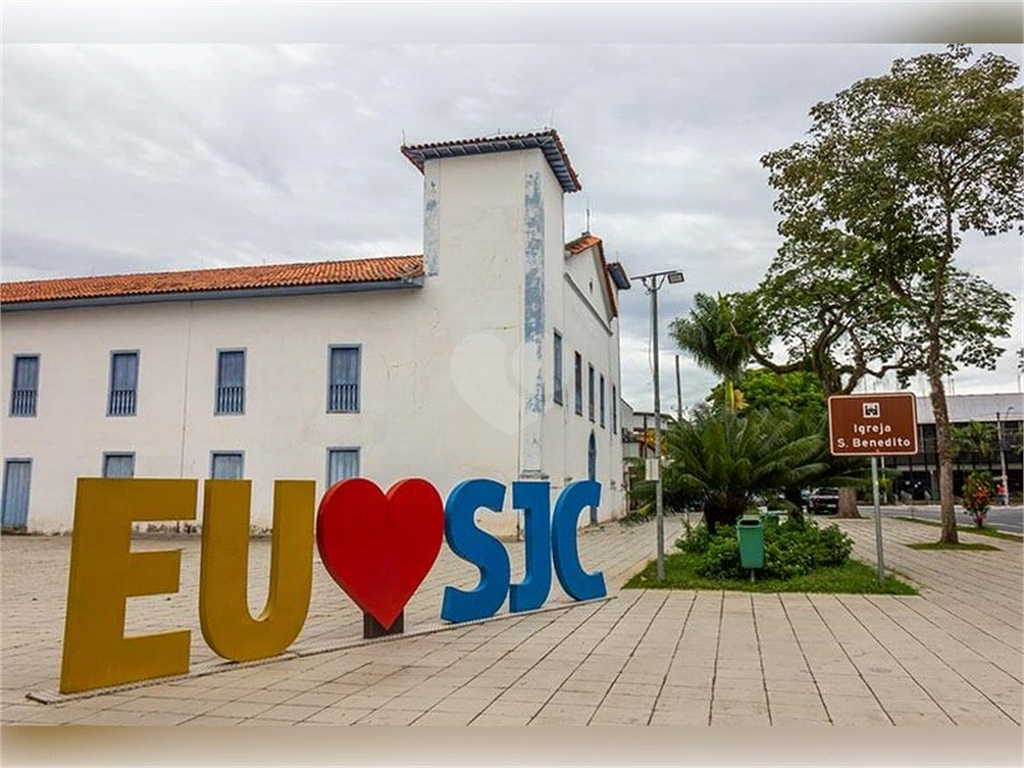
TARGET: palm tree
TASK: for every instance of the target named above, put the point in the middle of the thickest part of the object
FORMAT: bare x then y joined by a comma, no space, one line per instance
976,439
708,336
726,459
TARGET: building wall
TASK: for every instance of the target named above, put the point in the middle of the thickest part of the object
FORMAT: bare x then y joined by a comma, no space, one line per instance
442,366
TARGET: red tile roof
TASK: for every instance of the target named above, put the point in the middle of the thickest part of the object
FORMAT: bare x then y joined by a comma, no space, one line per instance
547,141
582,243
390,268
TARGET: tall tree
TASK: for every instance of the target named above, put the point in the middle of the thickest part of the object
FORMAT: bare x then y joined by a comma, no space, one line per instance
907,162
812,300
764,390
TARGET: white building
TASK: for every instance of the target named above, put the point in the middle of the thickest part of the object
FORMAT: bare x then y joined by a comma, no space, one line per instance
494,354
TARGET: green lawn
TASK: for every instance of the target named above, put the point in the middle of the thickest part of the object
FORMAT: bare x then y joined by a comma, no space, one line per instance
853,578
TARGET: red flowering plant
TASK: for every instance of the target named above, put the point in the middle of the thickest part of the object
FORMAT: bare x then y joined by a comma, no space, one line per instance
979,493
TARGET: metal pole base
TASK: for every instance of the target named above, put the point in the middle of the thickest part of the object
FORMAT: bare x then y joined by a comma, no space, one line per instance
373,628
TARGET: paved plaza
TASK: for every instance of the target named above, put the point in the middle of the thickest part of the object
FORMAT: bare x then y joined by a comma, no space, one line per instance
952,655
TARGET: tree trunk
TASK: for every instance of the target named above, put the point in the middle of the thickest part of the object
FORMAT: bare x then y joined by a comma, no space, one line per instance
848,503
943,438
723,509
944,445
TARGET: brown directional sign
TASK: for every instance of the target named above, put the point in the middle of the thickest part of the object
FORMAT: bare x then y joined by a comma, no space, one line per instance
879,424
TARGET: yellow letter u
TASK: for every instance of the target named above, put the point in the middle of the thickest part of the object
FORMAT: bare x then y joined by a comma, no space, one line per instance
224,617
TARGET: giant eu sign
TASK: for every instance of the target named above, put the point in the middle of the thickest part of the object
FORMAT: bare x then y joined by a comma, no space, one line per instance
377,546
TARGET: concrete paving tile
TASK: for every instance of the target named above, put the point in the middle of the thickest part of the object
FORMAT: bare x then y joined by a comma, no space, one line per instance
262,696
161,719
472,706
630,688
291,713
740,720
315,699
918,717
390,717
738,707
511,707
863,717
624,701
582,698
990,718
337,716
809,711
500,720
259,722
564,714
434,717
808,699
608,715
242,709
214,721
673,717
110,717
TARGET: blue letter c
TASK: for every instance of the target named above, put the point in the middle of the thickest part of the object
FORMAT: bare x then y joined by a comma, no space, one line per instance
571,502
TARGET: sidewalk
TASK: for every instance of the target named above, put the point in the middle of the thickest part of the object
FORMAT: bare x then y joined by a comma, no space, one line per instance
952,655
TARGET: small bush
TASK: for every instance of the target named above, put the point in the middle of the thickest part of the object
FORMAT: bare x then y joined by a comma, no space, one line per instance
792,548
722,558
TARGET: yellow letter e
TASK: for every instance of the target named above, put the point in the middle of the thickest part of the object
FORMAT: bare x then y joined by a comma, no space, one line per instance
104,572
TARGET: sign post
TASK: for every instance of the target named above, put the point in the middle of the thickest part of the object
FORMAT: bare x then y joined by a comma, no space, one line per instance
878,519
879,424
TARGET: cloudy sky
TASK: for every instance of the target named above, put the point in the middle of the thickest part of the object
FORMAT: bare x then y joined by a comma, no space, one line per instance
137,152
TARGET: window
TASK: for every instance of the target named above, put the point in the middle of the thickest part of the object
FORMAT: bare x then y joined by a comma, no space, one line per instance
231,381
124,376
25,385
343,387
226,466
557,396
119,465
615,410
342,463
601,399
579,384
590,392
17,474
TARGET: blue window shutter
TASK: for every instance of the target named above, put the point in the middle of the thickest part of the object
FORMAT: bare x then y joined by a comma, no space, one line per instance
226,466
343,390
124,378
119,465
231,381
17,477
342,463
25,385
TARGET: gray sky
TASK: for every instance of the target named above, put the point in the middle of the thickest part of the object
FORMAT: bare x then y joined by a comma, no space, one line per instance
179,155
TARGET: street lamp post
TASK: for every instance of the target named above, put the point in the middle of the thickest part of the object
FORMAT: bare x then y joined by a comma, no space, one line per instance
652,282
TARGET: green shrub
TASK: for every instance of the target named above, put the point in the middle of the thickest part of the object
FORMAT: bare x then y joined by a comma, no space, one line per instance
792,548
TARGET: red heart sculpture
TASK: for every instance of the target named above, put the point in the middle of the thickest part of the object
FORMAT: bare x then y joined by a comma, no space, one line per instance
380,548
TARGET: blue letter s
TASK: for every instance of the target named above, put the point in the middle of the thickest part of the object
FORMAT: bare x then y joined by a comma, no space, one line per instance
478,547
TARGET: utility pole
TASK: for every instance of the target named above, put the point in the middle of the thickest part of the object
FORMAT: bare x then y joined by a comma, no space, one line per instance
679,393
652,282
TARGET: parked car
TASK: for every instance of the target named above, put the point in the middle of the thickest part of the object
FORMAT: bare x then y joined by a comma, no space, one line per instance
824,501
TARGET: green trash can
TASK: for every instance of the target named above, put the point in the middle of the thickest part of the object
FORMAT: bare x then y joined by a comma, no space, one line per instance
750,533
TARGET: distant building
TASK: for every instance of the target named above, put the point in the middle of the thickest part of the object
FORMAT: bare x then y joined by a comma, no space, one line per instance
1005,412
493,354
